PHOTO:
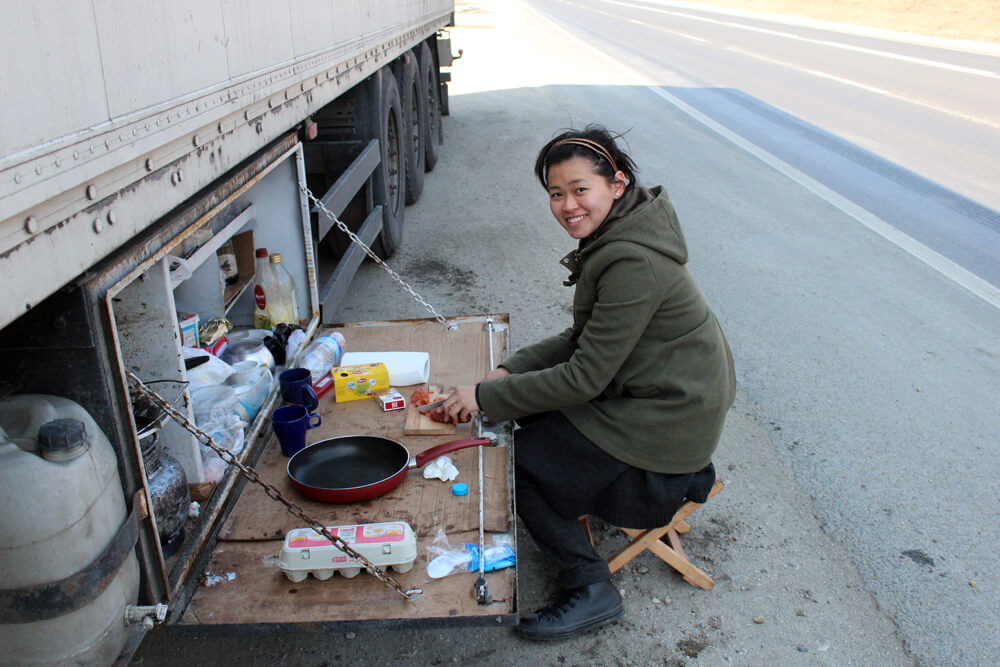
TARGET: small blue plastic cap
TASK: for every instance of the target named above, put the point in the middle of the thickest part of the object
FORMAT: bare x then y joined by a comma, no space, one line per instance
460,489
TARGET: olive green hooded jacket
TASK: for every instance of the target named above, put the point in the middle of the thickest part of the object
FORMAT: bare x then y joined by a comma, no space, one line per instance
645,371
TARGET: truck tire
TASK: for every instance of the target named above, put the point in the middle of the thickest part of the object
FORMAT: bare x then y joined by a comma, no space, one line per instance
390,185
428,69
415,114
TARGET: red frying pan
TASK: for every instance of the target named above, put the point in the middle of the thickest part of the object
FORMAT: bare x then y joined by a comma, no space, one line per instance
354,468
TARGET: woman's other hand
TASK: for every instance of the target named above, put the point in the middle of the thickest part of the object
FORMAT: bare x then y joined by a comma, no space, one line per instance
459,406
496,374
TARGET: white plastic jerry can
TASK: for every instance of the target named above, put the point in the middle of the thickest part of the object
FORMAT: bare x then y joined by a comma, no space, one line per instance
61,506
305,551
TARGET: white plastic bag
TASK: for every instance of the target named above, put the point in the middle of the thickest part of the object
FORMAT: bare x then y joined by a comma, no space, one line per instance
212,371
295,341
441,468
444,559
226,431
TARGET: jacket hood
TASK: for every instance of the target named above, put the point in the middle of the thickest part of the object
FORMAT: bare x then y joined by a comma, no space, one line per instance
643,216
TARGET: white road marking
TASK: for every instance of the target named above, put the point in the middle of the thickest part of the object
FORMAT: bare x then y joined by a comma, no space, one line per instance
864,86
822,42
946,267
668,30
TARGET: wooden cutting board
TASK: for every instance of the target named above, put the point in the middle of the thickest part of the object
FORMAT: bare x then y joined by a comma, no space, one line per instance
418,423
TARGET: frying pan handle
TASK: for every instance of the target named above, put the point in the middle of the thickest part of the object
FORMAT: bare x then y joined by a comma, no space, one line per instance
448,447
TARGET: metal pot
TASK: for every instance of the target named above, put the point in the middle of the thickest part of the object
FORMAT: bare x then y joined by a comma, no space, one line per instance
249,348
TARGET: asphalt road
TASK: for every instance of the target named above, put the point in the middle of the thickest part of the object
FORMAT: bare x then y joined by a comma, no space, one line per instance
859,522
882,375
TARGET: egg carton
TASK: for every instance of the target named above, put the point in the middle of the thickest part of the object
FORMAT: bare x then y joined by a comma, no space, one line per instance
390,544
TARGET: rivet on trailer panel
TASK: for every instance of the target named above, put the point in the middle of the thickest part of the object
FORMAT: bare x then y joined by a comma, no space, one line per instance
98,225
30,225
112,217
149,164
91,192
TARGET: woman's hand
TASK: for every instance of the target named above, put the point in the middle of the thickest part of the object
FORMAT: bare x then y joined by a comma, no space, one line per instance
496,374
459,406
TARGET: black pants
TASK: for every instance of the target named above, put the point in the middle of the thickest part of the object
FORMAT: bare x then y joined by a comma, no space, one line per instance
560,474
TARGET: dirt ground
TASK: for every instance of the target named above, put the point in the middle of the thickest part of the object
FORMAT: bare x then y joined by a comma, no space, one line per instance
975,20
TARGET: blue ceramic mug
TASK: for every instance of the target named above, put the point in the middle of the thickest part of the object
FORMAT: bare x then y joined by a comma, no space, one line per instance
290,423
296,387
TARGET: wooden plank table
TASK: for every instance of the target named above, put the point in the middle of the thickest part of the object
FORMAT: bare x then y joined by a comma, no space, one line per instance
248,589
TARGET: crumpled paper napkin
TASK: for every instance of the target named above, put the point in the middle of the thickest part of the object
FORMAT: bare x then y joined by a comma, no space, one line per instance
441,468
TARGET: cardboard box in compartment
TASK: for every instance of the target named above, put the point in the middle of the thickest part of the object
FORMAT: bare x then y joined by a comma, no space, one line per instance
188,325
243,248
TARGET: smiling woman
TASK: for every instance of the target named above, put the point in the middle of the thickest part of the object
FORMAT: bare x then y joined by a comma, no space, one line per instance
621,413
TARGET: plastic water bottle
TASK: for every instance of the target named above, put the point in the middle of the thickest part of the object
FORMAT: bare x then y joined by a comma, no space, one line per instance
323,354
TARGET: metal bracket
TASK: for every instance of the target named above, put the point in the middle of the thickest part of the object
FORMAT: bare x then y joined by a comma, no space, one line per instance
148,615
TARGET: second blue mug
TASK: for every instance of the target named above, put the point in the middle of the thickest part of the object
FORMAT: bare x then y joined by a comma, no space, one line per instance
290,423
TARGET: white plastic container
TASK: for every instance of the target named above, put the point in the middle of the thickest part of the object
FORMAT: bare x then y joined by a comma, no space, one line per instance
306,552
59,509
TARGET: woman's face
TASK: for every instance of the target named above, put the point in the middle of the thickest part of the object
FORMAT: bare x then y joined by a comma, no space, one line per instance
579,197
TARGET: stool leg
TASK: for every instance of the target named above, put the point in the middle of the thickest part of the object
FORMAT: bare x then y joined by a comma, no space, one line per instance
675,558
641,540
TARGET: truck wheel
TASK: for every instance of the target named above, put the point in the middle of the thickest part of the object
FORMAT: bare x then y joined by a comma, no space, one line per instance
391,184
415,113
433,136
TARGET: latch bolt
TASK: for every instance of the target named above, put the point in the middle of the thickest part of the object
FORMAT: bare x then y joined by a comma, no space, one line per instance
148,615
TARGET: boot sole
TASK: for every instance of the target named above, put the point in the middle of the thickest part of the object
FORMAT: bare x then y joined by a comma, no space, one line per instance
611,617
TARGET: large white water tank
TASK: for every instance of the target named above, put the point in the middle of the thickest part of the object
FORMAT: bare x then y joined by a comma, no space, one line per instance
61,504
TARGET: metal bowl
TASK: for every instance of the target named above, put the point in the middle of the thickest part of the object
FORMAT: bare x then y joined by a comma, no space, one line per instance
250,348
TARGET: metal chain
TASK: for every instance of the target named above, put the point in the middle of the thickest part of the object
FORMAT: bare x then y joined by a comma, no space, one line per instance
378,260
271,491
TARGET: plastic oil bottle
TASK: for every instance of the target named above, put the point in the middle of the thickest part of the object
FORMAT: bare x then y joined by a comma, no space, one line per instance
265,287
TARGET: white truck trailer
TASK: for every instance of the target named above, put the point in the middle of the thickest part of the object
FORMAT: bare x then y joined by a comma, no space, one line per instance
137,139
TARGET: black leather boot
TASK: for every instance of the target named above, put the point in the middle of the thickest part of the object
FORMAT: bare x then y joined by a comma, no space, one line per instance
574,611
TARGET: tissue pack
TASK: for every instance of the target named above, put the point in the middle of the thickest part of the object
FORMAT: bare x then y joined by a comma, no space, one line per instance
351,383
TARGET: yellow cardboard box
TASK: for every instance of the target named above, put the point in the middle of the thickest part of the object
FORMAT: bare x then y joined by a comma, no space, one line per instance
362,381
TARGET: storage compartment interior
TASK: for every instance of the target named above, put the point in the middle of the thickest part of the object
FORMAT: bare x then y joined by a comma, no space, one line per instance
187,279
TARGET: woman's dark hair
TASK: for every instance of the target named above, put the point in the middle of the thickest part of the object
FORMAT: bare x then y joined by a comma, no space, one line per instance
593,142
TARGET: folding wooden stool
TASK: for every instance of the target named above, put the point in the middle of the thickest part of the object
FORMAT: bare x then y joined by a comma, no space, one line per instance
670,551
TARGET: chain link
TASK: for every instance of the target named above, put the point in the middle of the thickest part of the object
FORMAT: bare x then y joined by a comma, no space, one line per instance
378,260
271,491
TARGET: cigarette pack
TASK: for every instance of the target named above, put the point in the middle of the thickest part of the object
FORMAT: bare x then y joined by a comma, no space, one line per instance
392,400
